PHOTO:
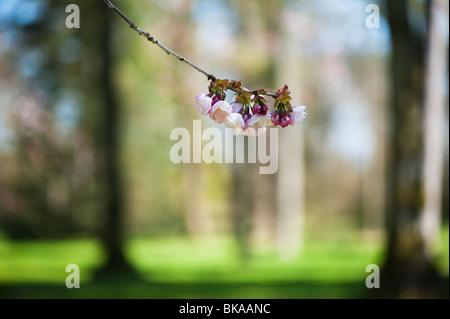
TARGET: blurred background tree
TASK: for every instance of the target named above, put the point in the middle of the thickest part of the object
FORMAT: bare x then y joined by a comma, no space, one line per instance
408,270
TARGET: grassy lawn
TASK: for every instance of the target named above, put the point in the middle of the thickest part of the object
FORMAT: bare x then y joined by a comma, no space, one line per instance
182,268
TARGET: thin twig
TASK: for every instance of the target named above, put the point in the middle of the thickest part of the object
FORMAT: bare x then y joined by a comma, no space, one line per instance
238,90
152,39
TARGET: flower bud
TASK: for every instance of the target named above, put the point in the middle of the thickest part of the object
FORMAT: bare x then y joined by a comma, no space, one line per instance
257,109
275,118
264,109
285,121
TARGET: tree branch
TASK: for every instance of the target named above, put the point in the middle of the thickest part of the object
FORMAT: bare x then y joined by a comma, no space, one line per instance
152,39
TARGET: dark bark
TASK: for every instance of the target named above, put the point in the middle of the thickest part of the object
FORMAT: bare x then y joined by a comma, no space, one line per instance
408,271
112,232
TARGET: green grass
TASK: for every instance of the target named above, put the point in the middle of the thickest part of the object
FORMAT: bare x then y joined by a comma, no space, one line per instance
182,268
215,261
442,259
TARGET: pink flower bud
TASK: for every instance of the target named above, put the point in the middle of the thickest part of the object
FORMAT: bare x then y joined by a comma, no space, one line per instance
257,109
285,120
203,103
275,118
220,111
264,109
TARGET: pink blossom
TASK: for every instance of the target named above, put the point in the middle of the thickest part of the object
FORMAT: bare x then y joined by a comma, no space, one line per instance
220,111
260,121
298,114
236,122
257,124
203,103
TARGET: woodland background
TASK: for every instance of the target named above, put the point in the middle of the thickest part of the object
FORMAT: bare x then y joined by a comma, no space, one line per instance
86,177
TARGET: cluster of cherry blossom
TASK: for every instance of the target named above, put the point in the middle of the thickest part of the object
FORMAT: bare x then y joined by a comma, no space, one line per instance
249,113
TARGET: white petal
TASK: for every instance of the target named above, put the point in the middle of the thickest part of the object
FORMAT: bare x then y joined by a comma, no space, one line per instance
224,106
254,119
236,107
266,120
203,103
298,113
220,111
234,120
250,131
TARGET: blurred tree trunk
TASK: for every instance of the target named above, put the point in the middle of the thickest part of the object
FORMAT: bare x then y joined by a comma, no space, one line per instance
264,206
408,271
194,197
112,233
373,182
290,175
244,196
241,210
277,200
253,36
434,129
197,219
